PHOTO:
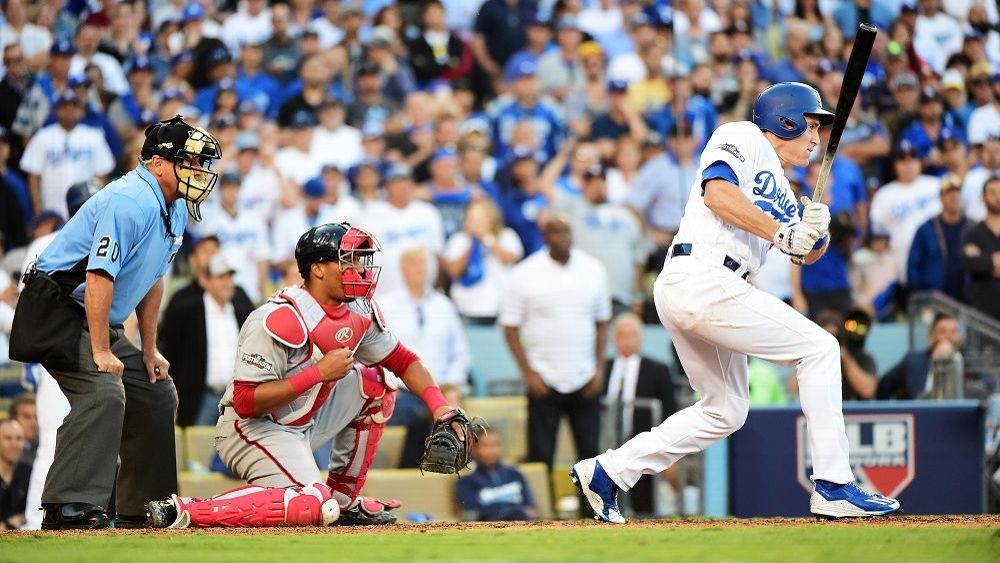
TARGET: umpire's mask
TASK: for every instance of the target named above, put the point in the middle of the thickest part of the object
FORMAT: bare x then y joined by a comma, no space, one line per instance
193,151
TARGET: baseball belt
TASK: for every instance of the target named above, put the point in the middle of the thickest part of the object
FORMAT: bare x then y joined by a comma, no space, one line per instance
684,249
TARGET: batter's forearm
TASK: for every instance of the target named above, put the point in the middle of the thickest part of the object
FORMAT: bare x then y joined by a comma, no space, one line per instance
729,204
97,296
147,314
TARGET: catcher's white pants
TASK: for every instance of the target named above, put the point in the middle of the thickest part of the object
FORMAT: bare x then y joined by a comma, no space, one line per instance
269,454
52,408
715,320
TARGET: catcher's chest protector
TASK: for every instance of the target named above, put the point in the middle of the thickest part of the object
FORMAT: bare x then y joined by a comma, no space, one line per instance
300,319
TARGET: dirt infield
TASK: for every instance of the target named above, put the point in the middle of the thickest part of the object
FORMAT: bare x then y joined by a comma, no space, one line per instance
966,521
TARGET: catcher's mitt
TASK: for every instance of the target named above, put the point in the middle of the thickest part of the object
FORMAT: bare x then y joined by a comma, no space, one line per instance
444,450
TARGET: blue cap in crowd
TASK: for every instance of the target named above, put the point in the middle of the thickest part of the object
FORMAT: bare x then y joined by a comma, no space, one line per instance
68,97
169,94
398,171
519,68
535,21
182,57
219,56
908,6
77,80
139,63
617,86
906,148
314,188
223,121
250,105
247,141
193,11
3,133
229,178
62,47
302,119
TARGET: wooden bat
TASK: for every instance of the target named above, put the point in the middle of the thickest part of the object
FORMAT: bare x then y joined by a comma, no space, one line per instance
853,75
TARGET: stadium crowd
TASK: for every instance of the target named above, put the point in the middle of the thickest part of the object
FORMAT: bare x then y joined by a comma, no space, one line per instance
457,130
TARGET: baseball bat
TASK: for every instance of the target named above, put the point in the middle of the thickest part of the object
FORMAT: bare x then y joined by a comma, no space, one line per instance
853,75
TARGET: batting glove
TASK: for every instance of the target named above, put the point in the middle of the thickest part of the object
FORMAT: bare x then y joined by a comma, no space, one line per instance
816,215
796,240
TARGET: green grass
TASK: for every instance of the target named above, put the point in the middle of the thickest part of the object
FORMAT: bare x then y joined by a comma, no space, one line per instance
710,543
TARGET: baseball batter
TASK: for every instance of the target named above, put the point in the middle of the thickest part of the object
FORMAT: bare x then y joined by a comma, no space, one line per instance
740,206
309,369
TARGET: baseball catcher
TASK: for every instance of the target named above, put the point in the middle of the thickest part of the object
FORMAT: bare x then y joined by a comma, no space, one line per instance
313,365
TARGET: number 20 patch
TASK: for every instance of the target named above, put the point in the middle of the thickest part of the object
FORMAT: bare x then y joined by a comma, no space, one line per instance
103,248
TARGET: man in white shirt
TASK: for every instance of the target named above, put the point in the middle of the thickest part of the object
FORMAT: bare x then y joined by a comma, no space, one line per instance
403,221
555,322
88,39
34,40
900,207
335,142
937,35
427,322
260,191
975,179
242,235
64,153
251,24
296,162
321,202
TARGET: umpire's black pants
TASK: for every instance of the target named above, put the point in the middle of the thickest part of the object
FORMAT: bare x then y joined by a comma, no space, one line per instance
113,416
544,415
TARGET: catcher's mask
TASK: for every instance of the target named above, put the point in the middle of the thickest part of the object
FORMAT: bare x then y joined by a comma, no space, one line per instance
193,151
352,247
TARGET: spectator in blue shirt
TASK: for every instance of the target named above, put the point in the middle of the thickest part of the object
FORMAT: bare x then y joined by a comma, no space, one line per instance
494,491
109,261
935,260
522,201
928,129
526,105
252,83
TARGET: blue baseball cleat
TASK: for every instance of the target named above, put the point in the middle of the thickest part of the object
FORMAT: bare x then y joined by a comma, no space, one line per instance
600,490
831,500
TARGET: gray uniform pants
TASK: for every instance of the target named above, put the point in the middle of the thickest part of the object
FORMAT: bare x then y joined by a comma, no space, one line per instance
113,416
269,454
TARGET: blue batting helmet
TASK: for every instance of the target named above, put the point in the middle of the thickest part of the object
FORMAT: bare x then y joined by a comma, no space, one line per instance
781,109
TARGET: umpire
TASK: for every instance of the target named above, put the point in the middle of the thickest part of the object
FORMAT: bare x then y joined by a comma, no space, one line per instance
107,261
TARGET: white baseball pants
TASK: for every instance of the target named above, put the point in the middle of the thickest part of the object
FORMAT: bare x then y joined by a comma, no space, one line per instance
52,408
715,320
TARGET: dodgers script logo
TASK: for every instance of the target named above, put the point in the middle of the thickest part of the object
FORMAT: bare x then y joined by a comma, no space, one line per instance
773,201
883,453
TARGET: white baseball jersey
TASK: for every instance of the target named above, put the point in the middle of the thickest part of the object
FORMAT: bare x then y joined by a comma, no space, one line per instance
62,158
761,178
244,240
899,209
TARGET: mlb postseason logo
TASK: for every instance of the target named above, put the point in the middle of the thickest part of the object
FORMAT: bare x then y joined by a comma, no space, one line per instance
883,451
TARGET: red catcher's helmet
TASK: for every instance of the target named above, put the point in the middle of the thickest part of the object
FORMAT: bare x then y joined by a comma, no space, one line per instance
352,247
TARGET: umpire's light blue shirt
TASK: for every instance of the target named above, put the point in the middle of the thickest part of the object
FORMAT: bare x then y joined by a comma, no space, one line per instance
121,231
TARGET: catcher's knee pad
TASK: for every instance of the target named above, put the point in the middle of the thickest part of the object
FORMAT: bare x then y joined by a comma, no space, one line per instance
379,392
263,507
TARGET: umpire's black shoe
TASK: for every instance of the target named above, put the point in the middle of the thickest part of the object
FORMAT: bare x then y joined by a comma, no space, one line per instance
74,516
